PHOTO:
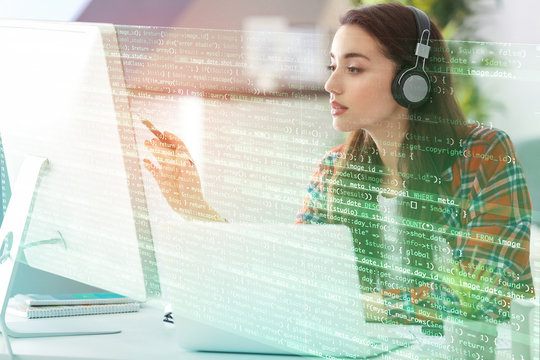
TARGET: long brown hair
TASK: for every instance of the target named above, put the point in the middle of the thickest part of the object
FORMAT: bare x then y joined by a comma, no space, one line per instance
437,124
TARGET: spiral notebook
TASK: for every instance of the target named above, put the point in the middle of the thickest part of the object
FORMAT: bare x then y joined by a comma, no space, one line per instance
73,299
18,306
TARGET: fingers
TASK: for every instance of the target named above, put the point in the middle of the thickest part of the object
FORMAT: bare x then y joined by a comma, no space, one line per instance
164,179
162,154
151,167
159,147
163,174
172,139
168,140
171,180
171,154
153,129
168,157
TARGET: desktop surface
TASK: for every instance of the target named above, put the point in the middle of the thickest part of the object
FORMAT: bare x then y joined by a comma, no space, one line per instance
145,336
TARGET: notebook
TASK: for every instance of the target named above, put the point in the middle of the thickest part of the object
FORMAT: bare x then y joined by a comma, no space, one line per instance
273,289
73,299
18,306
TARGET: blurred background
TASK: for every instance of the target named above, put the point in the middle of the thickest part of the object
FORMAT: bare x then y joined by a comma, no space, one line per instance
301,30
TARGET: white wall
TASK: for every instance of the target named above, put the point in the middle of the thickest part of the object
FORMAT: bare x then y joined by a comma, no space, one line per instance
515,22
58,10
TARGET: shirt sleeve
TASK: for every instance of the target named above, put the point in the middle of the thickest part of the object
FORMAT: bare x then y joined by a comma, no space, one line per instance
493,250
314,208
490,262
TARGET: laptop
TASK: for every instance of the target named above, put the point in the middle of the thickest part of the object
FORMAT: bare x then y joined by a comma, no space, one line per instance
268,289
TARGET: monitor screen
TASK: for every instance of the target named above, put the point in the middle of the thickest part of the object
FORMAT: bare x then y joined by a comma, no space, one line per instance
67,103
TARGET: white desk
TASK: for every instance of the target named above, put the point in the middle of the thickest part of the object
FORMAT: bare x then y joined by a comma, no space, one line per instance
144,336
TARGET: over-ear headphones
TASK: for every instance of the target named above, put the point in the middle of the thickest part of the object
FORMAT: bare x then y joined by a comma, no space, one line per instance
411,87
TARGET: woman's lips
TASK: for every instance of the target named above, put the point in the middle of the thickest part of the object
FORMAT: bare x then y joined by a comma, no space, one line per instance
337,108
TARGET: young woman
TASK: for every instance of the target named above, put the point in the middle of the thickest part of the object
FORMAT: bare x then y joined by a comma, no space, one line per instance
439,209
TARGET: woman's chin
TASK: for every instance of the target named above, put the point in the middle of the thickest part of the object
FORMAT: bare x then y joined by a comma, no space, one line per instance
340,125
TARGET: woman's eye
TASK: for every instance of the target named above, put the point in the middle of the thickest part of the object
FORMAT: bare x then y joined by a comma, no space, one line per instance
350,69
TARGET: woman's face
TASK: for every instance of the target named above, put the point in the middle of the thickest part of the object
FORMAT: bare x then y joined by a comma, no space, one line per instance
360,82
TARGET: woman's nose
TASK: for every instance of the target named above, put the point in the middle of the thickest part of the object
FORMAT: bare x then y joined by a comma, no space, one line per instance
332,84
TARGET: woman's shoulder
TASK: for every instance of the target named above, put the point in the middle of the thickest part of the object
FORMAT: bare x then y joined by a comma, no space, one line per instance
484,151
484,146
488,138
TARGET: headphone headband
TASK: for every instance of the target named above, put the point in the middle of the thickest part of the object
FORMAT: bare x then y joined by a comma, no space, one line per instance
422,22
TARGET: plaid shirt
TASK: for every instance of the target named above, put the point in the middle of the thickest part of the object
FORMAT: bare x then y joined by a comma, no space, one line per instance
495,215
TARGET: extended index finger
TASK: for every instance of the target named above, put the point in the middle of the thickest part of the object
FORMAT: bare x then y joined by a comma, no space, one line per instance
177,142
153,129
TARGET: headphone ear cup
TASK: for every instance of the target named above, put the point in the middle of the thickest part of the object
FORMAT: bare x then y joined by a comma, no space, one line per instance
411,88
397,90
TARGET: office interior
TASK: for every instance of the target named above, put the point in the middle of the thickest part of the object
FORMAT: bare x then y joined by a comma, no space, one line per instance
304,29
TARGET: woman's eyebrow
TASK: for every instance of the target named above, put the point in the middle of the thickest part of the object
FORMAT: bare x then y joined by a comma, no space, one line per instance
352,55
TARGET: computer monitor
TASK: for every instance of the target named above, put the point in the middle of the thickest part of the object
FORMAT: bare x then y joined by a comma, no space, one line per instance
66,101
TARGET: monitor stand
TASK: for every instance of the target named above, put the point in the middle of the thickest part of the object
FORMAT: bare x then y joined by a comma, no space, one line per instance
12,234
